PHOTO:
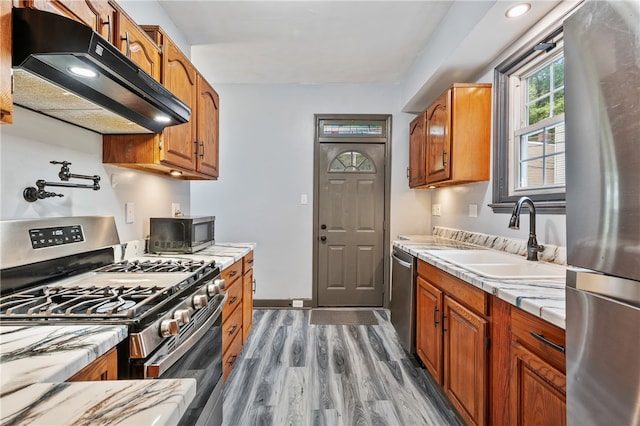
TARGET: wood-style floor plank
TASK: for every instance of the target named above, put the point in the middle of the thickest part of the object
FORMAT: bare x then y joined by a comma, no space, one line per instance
293,373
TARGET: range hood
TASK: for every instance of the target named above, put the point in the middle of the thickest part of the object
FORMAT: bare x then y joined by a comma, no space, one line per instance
64,69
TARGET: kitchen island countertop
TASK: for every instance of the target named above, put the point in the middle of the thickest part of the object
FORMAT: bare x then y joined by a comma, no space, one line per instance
544,298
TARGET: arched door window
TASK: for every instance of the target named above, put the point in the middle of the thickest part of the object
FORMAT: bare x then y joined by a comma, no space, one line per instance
352,162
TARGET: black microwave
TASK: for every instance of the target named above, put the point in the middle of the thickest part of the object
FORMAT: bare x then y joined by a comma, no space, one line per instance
185,234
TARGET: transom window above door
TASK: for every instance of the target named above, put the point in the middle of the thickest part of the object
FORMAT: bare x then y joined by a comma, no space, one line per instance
352,161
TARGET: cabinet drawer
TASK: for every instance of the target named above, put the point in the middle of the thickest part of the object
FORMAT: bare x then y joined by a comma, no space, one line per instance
231,356
234,298
247,262
232,273
466,293
230,327
523,324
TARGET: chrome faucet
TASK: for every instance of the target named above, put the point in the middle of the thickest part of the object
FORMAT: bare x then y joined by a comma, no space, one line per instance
514,223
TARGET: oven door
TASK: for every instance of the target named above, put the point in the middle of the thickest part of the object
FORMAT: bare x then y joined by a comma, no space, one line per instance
198,357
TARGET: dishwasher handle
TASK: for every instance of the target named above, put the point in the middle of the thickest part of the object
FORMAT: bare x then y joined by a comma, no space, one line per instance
401,262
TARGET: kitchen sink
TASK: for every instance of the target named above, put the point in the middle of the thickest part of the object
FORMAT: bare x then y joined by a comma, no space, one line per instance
498,265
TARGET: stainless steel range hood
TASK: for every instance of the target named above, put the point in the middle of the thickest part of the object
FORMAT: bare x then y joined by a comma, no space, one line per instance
63,69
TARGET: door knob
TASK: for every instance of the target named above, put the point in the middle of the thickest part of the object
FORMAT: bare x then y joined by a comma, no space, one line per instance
323,226
323,238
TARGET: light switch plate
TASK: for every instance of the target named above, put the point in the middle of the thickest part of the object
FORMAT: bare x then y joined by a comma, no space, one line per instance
435,210
303,199
473,210
130,213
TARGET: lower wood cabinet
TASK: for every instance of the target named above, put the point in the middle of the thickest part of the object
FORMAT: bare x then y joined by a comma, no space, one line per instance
237,313
452,339
103,368
466,361
247,295
496,363
538,381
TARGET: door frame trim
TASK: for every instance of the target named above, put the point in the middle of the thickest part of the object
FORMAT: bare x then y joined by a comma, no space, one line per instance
386,238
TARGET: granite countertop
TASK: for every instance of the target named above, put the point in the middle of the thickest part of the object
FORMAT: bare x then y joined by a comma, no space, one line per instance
544,298
36,360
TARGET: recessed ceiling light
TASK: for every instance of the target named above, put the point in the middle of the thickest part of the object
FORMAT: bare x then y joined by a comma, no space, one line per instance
83,72
517,10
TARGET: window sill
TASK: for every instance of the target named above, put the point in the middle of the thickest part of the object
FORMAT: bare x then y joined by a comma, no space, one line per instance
548,207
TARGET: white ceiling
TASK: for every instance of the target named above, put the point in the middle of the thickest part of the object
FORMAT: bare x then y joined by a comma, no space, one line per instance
341,41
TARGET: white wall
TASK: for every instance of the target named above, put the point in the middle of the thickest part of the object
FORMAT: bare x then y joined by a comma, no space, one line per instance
266,163
27,146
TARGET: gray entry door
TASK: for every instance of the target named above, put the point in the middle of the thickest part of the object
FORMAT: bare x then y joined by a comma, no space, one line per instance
351,220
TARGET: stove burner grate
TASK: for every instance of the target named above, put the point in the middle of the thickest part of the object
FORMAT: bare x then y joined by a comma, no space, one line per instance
55,301
163,265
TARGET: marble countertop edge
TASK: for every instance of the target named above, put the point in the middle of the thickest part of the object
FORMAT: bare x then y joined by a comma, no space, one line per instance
532,296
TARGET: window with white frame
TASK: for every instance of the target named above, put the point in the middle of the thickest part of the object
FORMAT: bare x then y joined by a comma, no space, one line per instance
529,156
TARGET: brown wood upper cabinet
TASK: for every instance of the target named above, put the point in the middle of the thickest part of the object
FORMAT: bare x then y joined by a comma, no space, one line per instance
100,15
190,149
6,97
417,164
138,46
457,138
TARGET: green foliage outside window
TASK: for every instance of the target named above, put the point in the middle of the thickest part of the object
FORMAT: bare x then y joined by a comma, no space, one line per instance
545,91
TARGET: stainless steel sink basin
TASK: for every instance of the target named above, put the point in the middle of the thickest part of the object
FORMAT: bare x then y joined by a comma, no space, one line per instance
498,265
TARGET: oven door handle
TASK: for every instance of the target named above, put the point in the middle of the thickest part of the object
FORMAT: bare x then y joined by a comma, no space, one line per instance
157,365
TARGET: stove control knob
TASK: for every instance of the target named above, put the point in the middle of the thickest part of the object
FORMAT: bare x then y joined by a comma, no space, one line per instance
215,287
199,301
169,327
183,316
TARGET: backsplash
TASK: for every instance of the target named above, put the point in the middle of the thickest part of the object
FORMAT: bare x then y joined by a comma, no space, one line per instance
551,253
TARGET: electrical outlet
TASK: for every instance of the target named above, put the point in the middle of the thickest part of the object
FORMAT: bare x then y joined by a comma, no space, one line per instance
435,210
130,213
175,210
297,303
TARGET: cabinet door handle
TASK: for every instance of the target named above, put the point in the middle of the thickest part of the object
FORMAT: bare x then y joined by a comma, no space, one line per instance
547,342
233,300
233,329
108,24
233,273
435,317
232,360
444,158
201,149
126,38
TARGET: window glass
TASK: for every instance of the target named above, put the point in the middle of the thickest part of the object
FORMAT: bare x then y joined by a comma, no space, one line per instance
352,161
529,157
352,129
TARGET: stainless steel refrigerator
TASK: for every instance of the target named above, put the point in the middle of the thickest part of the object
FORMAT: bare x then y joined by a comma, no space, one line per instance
602,104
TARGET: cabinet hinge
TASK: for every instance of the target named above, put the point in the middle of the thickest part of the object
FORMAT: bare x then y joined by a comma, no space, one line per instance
160,143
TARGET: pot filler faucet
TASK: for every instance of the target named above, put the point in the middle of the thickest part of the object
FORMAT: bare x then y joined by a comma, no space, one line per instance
514,223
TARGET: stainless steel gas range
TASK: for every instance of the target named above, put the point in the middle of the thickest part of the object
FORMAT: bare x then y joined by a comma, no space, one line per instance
58,271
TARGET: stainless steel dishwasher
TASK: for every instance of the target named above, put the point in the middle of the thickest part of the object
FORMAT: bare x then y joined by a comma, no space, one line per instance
403,298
